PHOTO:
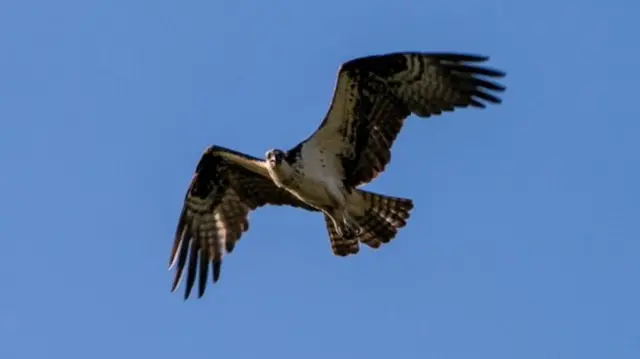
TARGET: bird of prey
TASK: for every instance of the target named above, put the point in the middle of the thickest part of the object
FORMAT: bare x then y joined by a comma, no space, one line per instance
373,96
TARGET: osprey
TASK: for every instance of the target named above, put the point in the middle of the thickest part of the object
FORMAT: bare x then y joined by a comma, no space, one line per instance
372,98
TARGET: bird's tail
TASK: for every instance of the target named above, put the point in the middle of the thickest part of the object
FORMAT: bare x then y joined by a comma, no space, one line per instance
383,217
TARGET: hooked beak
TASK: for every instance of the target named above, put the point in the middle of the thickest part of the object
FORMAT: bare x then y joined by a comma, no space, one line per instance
271,158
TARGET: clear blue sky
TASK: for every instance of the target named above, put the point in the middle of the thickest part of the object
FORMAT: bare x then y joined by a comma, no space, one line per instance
524,242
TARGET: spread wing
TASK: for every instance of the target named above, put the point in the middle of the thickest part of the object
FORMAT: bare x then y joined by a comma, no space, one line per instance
225,187
375,94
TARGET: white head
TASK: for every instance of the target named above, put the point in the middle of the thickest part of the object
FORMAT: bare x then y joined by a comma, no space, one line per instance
274,158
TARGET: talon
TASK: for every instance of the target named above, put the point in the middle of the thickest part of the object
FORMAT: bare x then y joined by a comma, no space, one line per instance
348,233
346,227
351,229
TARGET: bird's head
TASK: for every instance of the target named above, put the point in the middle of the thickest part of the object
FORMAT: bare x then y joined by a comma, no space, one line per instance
274,157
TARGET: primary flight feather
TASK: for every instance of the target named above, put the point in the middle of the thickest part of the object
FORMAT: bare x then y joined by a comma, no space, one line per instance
372,98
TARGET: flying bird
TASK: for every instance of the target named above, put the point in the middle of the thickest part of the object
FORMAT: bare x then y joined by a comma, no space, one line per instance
373,96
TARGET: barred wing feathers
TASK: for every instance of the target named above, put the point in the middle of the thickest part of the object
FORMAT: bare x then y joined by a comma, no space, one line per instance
375,94
225,187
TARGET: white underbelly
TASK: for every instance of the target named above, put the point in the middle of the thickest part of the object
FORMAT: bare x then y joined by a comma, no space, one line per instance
318,184
319,192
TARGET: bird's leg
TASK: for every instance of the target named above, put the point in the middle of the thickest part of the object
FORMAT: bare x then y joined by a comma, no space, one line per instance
350,229
346,226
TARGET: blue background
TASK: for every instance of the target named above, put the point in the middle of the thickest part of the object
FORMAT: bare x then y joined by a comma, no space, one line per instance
524,242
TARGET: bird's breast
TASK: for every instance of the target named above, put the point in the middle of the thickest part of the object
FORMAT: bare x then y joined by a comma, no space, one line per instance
318,188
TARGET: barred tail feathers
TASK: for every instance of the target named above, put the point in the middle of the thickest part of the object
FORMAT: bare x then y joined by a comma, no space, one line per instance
380,221
339,245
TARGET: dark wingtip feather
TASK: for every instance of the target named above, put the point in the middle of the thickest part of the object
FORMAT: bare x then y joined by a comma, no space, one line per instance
458,57
468,76
216,264
489,85
177,238
477,70
176,281
459,63
181,260
191,270
182,228
476,103
229,246
204,271
487,97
